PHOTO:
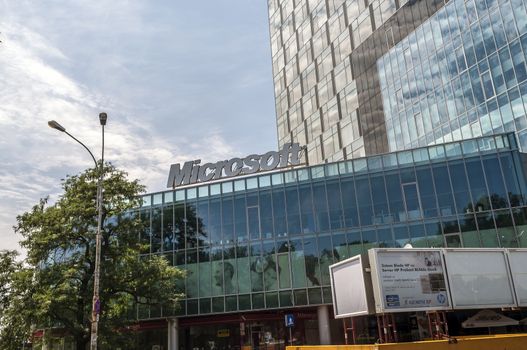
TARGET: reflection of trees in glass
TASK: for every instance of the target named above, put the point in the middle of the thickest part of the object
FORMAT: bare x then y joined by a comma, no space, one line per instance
180,263
311,261
203,216
484,203
450,225
283,270
192,274
214,228
145,231
156,230
168,234
187,221
326,259
297,264
179,226
341,248
355,242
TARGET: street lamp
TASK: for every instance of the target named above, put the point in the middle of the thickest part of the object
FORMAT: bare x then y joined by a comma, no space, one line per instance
96,305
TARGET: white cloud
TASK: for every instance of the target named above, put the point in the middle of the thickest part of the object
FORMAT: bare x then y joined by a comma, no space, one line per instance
34,157
179,81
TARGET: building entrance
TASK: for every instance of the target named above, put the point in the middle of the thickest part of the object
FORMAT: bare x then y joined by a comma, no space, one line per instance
266,336
251,331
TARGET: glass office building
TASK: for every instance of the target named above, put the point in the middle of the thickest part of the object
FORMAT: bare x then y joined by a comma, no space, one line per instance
461,74
355,77
256,248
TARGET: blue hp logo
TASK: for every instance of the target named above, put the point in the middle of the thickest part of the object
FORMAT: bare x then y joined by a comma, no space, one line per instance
441,298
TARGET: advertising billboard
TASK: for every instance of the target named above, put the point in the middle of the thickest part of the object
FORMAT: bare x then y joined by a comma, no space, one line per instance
351,287
479,278
409,280
518,265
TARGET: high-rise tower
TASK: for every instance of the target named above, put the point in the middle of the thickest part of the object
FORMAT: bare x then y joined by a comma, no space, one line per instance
361,77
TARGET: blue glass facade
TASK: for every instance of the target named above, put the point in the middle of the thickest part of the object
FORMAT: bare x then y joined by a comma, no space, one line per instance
460,74
266,241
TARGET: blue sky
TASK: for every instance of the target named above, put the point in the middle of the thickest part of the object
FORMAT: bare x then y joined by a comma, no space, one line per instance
180,80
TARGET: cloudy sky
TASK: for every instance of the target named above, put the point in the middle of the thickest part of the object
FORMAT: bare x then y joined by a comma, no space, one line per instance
180,80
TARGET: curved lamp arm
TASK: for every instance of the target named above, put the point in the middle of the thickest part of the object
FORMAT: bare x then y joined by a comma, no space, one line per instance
53,124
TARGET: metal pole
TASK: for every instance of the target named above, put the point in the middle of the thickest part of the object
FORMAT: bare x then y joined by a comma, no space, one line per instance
345,331
353,330
290,337
96,304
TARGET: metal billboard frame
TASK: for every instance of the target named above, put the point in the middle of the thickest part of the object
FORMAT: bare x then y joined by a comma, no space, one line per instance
504,252
509,252
364,263
377,289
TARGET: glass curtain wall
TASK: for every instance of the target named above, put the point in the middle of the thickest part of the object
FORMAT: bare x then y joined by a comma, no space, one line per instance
267,241
461,74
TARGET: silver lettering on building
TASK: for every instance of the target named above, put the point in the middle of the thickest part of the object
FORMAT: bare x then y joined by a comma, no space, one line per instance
192,172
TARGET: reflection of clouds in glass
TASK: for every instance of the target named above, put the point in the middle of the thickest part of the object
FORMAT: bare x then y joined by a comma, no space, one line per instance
425,77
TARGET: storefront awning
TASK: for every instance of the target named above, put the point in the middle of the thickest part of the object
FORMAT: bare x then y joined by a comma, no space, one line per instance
488,318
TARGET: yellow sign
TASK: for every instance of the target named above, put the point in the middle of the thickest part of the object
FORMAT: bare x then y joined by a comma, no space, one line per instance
223,333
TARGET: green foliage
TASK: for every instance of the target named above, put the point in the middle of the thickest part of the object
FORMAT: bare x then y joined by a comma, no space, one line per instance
54,288
8,267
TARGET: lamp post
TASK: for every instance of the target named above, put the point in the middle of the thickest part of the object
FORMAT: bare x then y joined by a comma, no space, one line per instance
96,305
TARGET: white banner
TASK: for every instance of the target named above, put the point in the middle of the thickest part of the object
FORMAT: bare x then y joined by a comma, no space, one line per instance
409,280
350,292
479,278
518,264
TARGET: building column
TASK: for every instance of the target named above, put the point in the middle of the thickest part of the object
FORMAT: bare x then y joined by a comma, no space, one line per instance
323,325
173,334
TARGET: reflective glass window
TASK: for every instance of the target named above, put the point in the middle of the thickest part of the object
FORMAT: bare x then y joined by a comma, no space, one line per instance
240,218
365,207
293,211
306,208
443,190
156,229
478,188
168,224
498,194
349,203
279,213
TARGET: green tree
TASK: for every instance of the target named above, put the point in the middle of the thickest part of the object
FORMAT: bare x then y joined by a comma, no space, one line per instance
15,319
8,267
55,287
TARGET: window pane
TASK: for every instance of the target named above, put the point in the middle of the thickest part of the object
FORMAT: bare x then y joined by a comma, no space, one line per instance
478,189
298,264
349,203
306,209
293,211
